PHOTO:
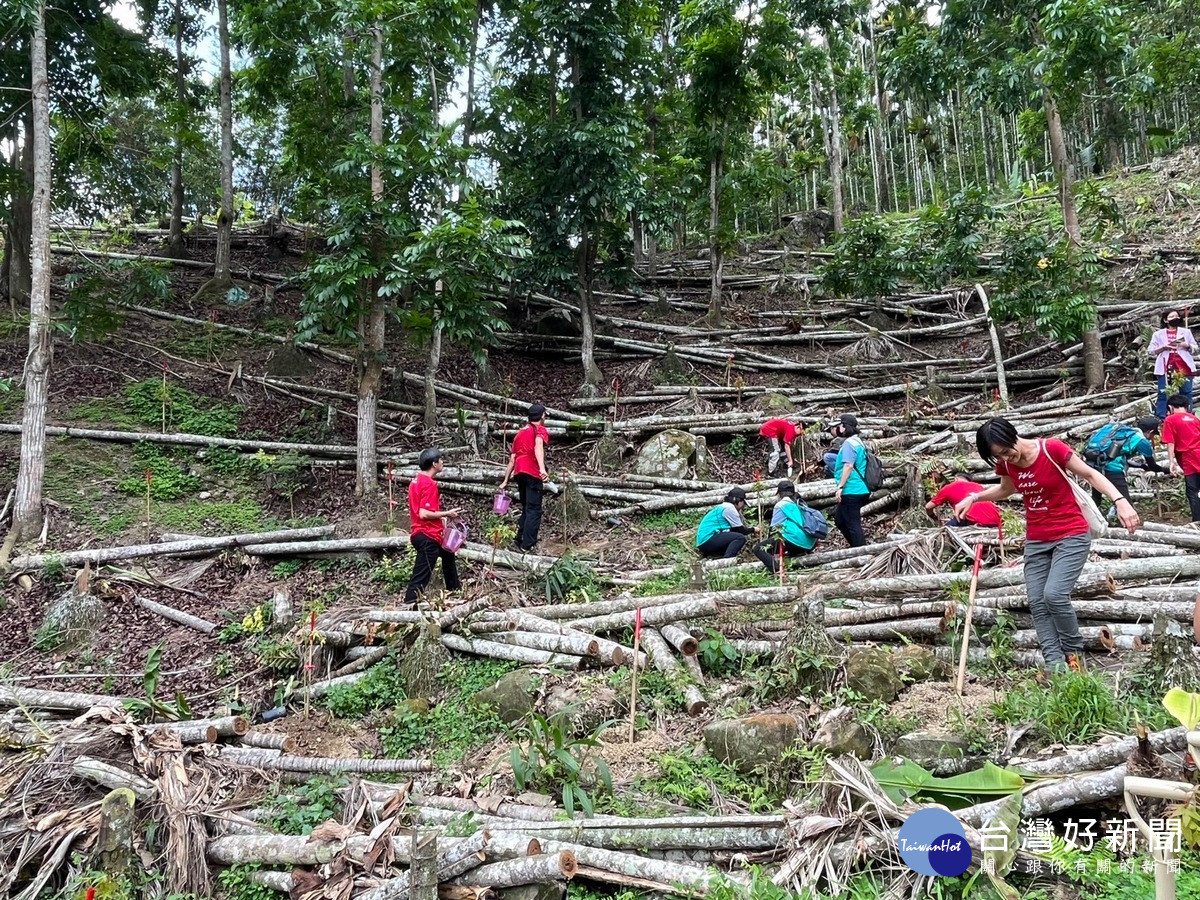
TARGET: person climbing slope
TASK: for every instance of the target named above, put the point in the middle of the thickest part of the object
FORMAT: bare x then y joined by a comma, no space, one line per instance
781,433
427,522
1181,436
1057,535
953,492
723,532
528,461
852,492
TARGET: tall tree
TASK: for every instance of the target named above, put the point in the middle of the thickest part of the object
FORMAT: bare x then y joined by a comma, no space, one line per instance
27,505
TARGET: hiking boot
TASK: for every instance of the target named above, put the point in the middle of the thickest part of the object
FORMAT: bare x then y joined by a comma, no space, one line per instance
1075,662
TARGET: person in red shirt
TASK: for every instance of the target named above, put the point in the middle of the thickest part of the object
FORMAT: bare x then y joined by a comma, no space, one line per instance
528,461
956,490
781,433
427,522
1057,538
1181,435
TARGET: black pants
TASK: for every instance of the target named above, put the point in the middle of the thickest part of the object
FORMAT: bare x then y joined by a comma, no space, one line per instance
1192,483
1119,481
848,518
768,552
529,490
723,544
428,550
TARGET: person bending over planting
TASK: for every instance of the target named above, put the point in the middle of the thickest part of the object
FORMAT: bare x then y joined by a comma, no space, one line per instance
781,433
1057,538
959,486
723,532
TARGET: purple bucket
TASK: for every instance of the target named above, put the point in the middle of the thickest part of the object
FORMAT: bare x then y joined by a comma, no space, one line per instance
500,503
454,537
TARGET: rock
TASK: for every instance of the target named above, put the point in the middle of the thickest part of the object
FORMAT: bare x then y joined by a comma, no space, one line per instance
841,734
575,508
872,674
670,453
812,228
752,742
204,495
916,663
290,362
941,754
558,323
514,696
587,704
610,450
773,403
417,706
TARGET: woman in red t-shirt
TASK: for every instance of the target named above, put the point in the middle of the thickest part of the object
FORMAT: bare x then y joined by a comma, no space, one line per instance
1057,541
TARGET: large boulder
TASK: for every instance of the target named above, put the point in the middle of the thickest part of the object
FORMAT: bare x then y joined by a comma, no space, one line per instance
514,696
871,673
941,754
670,453
773,403
916,663
753,742
841,734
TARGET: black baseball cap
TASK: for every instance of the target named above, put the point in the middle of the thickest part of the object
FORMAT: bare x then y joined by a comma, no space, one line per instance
536,412
785,487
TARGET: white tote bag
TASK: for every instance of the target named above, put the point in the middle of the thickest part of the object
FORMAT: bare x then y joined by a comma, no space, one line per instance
1097,524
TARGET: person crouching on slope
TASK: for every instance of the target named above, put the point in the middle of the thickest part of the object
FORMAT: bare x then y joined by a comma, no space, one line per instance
787,529
955,491
723,532
781,433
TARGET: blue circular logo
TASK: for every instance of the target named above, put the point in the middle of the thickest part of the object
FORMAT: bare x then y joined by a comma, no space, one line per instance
932,842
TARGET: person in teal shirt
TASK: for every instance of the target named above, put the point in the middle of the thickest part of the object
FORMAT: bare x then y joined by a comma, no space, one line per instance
1127,442
787,529
723,532
852,492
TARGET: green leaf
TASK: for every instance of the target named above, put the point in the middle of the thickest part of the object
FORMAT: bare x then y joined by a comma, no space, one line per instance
1184,706
907,781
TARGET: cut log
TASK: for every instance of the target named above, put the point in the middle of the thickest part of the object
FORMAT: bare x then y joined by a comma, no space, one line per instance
1047,799
395,541
320,765
113,777
175,615
275,881
542,869
505,810
704,607
664,660
497,650
363,661
102,555
67,701
577,644
464,856
289,850
521,620
270,741
681,640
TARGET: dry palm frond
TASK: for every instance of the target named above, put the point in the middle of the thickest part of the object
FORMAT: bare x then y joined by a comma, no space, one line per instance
873,347
692,403
917,555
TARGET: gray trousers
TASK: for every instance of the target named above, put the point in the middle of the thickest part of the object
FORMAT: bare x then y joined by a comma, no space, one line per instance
1051,570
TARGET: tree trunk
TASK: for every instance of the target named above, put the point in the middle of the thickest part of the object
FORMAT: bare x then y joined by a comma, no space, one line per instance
27,508
223,268
323,765
175,232
716,261
1093,353
370,379
511,652
664,660
835,148
1110,123
20,229
431,369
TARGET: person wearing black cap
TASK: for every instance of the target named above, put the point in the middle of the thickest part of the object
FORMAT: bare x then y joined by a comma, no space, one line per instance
528,461
723,532
835,447
852,491
427,523
787,530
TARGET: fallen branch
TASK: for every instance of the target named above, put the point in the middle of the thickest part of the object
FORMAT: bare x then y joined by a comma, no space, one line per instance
175,615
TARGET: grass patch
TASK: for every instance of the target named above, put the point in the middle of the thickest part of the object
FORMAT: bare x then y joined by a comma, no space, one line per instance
227,517
726,580
167,478
701,782
674,519
453,728
298,809
665,584
1076,708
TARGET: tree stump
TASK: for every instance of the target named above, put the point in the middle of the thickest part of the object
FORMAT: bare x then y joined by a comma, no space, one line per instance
114,843
806,661
422,872
424,659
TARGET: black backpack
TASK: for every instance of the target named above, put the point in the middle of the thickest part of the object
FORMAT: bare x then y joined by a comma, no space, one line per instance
872,471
